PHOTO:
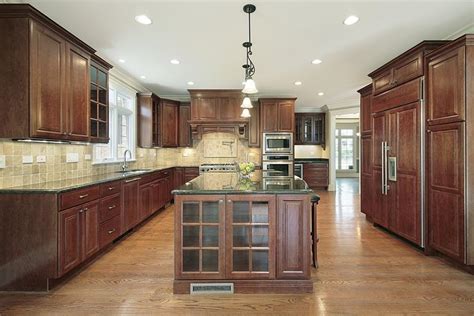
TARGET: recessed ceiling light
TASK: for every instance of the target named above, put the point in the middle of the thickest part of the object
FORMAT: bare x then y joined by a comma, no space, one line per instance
143,77
175,61
143,19
122,60
316,61
298,83
320,93
351,19
190,83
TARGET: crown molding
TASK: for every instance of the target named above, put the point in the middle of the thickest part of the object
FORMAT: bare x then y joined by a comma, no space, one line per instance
469,28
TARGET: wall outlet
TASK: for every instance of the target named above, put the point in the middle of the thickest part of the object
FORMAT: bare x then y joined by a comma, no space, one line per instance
87,157
27,159
72,157
41,159
2,162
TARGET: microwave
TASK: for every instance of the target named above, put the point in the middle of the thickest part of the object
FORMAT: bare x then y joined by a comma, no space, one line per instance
277,143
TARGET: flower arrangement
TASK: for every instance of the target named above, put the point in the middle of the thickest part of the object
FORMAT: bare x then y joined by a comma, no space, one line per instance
246,168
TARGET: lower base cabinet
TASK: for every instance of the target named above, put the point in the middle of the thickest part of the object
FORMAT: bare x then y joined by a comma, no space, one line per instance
242,238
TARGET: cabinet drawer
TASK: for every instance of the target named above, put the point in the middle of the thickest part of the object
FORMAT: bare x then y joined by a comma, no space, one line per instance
110,188
109,230
76,197
109,207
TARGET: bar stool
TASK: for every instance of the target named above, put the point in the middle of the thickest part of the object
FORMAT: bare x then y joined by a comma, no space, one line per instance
314,234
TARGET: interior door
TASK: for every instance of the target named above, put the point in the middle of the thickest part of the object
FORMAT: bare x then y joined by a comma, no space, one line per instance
379,209
404,159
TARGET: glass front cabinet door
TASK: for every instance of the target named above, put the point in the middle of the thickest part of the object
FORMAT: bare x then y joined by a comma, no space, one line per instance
200,242
250,237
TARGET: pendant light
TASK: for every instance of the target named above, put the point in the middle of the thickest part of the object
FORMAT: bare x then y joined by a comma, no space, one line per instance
249,67
246,103
245,113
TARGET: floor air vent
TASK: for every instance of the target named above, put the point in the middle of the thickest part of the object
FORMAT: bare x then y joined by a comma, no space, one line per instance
212,288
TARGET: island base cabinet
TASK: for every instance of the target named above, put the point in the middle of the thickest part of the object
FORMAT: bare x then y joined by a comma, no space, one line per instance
258,242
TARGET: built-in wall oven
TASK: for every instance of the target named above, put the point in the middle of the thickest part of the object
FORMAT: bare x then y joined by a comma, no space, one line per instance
277,169
278,143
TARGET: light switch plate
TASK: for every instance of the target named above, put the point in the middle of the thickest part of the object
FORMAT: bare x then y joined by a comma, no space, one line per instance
41,159
87,157
27,159
72,157
2,162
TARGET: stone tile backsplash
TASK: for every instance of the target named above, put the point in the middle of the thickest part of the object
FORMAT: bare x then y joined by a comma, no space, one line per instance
56,168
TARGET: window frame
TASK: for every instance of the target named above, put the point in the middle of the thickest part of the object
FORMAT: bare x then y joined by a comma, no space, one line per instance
338,144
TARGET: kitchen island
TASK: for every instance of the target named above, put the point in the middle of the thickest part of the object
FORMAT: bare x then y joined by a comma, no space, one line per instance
242,235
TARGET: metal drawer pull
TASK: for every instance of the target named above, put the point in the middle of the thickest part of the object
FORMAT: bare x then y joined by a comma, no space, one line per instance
111,188
112,207
83,196
132,180
111,231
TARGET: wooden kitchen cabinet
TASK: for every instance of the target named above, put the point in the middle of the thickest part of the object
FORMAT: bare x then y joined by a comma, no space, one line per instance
316,174
78,235
293,246
158,121
145,201
277,115
99,100
46,79
185,139
130,192
190,173
215,105
446,87
406,67
366,110
366,151
310,129
254,126
250,236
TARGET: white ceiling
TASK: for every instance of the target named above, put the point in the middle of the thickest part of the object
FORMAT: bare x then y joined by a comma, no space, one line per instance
207,36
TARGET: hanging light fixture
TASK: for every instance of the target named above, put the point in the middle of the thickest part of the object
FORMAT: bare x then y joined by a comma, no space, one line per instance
249,67
246,103
245,113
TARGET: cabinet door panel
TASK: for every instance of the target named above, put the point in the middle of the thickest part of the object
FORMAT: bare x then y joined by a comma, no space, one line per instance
205,109
47,83
446,189
254,126
293,237
77,72
269,116
91,229
446,88
229,108
383,81
409,69
286,116
130,205
366,113
379,125
184,127
147,121
70,239
169,122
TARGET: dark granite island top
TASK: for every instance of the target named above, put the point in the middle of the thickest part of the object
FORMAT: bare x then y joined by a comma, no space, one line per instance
232,183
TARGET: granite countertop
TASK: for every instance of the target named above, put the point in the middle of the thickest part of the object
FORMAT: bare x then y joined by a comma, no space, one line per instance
232,183
77,183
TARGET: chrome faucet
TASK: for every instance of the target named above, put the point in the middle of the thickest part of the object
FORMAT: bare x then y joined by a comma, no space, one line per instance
125,164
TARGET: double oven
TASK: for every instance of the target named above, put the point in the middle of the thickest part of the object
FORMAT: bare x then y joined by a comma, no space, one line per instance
277,158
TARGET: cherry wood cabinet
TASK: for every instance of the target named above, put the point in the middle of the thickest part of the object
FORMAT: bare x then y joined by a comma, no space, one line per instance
293,246
158,121
185,139
190,173
130,192
366,150
446,87
406,67
215,105
310,129
254,126
450,148
78,235
366,110
99,100
316,174
46,83
277,115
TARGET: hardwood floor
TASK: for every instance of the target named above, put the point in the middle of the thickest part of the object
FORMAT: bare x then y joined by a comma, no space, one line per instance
362,270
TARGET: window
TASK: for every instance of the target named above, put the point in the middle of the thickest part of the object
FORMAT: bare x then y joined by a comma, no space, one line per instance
346,142
122,127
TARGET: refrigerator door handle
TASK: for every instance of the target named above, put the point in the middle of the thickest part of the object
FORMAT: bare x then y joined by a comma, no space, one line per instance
386,167
383,168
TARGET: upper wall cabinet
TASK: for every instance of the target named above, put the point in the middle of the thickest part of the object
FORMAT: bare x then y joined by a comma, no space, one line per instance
45,78
184,127
158,121
310,129
277,115
404,68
